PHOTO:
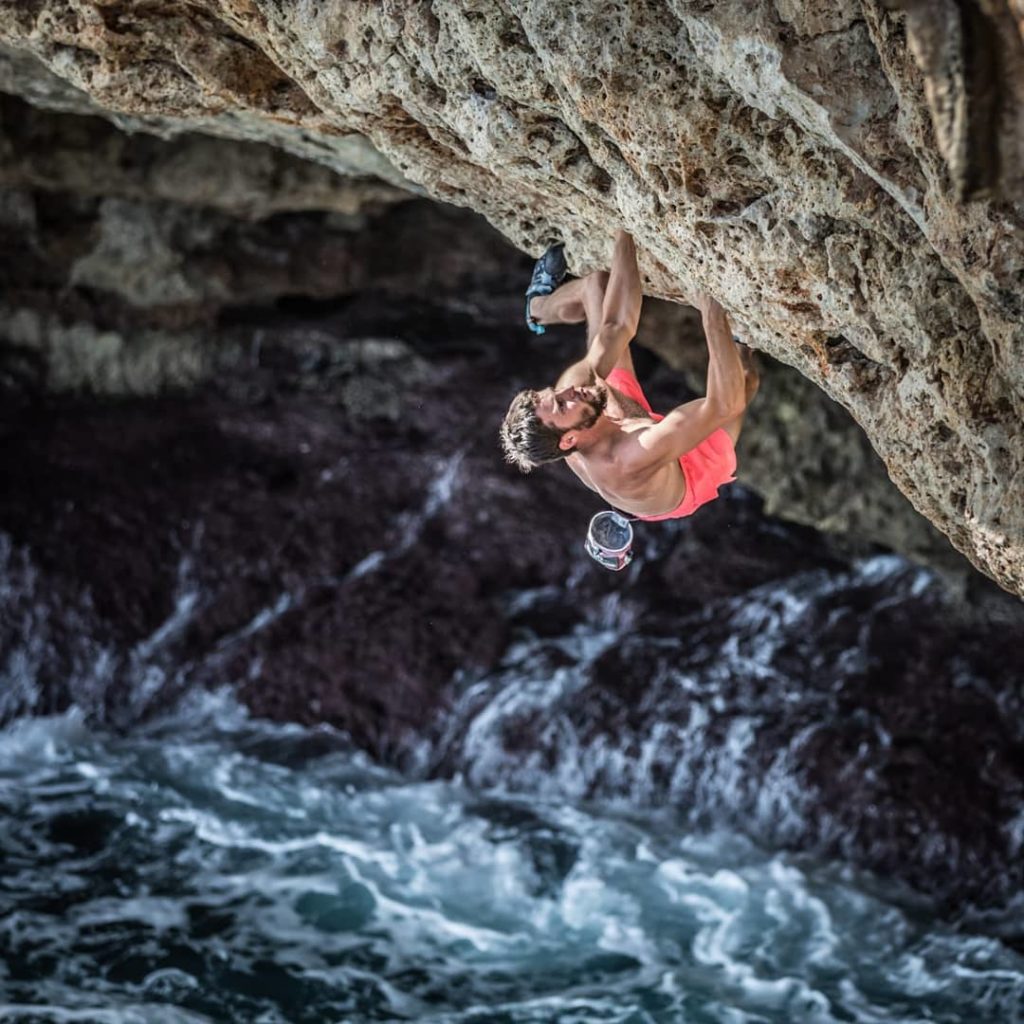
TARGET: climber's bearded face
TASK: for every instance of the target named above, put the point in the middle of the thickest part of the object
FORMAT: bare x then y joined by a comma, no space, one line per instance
572,407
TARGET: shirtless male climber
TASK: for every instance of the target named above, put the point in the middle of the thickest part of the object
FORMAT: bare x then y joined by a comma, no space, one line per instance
598,419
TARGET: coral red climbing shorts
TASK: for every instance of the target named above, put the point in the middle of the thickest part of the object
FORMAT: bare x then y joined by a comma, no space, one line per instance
705,468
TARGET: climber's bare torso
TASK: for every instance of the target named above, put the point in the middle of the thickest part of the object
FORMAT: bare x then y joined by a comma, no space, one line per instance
620,470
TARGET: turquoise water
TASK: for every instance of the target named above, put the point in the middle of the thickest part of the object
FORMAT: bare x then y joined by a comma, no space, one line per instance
215,868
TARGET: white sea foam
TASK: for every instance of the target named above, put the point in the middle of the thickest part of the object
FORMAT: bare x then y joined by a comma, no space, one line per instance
126,1013
424,900
38,741
392,888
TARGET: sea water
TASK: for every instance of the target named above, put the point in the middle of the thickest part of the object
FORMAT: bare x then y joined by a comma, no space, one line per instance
209,867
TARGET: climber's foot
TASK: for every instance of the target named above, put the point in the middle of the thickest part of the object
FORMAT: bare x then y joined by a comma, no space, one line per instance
548,272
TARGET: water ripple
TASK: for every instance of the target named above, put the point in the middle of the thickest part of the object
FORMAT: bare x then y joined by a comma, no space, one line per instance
200,880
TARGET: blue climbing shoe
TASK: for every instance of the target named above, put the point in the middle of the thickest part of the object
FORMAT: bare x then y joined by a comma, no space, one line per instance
548,272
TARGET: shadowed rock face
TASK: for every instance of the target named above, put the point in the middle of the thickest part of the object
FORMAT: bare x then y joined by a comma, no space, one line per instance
970,57
807,163
90,157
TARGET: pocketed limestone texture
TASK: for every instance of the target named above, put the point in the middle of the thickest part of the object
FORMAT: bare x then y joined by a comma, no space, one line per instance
845,177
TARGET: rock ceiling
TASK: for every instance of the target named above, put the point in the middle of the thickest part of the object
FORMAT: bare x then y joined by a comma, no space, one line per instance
846,178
